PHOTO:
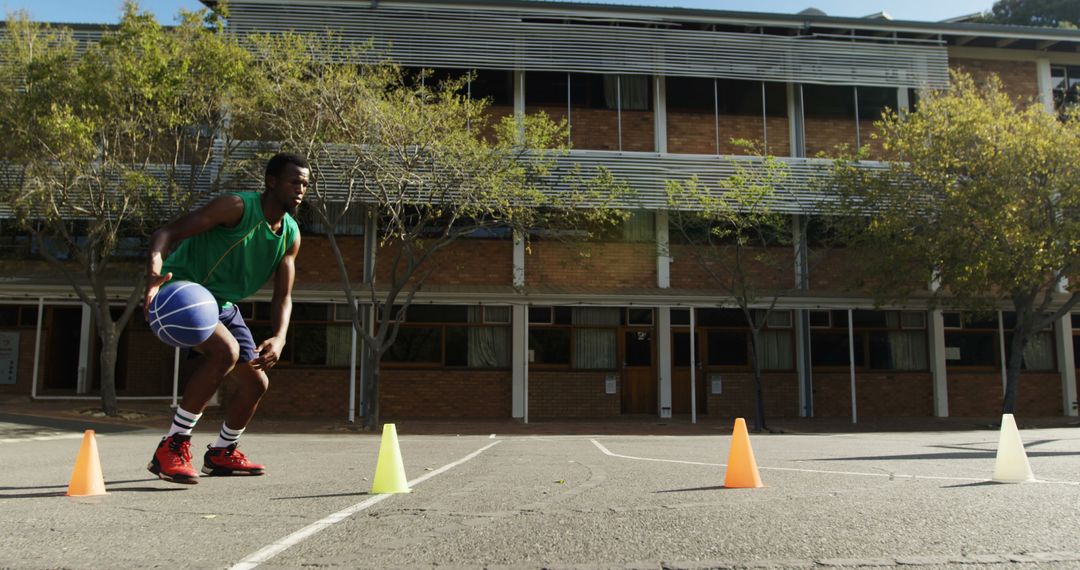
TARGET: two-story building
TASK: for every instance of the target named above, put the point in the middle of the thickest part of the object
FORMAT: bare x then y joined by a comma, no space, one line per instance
632,324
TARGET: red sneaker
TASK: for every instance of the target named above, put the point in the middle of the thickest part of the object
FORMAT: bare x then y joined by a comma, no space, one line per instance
172,460
229,461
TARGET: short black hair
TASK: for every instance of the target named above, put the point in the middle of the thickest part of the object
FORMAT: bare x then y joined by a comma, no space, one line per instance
278,161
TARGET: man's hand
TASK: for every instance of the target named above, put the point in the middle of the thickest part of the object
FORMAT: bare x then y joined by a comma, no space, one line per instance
269,352
153,283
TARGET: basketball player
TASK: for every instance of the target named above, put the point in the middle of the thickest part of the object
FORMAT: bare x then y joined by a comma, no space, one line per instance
232,246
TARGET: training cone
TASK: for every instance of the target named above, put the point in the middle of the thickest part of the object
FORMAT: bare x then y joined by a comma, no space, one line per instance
1011,465
742,471
86,479
389,471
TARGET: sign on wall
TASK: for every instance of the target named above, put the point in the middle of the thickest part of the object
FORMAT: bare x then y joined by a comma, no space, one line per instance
9,357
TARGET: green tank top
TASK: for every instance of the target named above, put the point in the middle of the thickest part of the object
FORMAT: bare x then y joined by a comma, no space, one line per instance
233,263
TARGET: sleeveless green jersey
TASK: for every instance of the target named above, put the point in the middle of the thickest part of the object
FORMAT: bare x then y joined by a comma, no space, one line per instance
233,263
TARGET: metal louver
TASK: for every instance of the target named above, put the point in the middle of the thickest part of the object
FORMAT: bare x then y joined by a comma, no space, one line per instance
491,38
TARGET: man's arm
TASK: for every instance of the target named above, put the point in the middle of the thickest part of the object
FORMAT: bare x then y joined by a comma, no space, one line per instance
221,211
269,350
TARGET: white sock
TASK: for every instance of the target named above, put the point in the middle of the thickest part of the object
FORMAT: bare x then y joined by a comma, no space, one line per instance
183,422
228,436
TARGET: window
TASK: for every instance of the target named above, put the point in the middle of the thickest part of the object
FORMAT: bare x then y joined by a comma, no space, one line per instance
884,340
639,316
12,316
728,341
581,337
973,340
430,336
614,111
1065,81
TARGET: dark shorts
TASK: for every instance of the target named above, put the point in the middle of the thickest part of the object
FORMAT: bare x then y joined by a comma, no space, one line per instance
234,321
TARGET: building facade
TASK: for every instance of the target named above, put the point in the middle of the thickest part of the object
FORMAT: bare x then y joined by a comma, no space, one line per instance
630,324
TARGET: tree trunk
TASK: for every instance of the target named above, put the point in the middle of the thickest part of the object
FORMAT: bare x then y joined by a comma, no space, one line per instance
109,342
759,395
1012,370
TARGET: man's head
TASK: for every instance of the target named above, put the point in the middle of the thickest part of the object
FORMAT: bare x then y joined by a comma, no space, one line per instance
287,177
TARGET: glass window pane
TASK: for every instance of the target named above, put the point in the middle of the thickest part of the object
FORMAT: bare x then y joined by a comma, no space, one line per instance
595,348
317,312
487,347
831,349
680,316
540,314
416,345
638,347
898,350
964,349
457,346
550,345
9,316
437,314
727,348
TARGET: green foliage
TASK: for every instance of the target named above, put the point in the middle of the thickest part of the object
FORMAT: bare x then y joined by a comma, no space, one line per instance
420,156
1039,13
983,199
106,140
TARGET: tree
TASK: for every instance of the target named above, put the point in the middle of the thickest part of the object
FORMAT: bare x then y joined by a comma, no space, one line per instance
419,156
105,141
733,231
983,198
1039,13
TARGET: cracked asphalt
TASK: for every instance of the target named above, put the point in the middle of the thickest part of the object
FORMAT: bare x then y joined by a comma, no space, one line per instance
868,500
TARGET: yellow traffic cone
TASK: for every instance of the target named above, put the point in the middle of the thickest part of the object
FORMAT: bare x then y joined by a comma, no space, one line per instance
389,471
86,479
742,471
1011,465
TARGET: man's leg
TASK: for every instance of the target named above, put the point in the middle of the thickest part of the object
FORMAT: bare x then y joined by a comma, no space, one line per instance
172,459
222,457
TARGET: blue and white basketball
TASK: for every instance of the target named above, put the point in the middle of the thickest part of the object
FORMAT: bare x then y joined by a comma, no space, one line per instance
183,314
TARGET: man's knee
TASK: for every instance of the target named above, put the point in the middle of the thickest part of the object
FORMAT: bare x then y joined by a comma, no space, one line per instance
223,356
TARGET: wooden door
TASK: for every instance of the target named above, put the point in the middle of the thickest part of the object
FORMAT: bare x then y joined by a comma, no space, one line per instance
680,376
639,393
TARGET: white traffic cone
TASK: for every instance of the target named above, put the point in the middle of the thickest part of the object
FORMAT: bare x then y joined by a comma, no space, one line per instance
1011,465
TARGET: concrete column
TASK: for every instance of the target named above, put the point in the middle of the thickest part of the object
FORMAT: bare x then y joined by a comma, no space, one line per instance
660,113
1066,361
663,359
519,358
937,363
82,384
796,130
519,102
1046,84
802,319
663,251
519,261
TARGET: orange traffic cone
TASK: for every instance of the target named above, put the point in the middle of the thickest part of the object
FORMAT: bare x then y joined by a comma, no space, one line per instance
742,471
86,479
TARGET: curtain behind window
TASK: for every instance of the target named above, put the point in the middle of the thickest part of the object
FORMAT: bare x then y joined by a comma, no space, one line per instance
775,350
634,90
1039,353
595,347
908,350
338,344
489,347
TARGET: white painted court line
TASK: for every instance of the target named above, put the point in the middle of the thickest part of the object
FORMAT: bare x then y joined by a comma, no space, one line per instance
44,437
280,545
821,471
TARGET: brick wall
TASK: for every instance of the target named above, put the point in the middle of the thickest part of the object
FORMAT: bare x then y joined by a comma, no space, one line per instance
978,394
824,134
1019,77
445,393
149,363
570,394
780,390
878,394
303,392
457,264
687,269
601,265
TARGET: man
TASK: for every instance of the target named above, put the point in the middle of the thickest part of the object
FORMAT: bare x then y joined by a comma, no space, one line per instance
231,246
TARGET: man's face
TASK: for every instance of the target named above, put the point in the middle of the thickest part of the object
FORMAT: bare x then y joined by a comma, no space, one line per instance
289,187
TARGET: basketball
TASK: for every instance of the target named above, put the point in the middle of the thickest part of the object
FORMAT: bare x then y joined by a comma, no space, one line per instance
183,314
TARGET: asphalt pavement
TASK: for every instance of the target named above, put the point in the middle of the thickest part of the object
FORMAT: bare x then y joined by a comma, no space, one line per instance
868,500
